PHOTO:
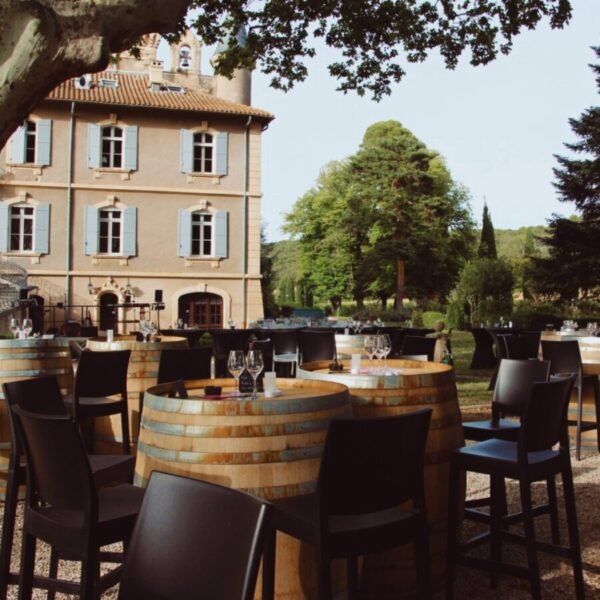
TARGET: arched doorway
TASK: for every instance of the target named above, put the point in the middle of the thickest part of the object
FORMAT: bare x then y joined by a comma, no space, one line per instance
201,309
108,314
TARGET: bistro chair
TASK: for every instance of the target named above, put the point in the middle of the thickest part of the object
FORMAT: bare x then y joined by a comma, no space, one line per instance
266,347
101,390
285,349
317,345
499,339
225,340
565,357
418,344
42,395
64,508
533,457
210,542
184,363
524,346
369,498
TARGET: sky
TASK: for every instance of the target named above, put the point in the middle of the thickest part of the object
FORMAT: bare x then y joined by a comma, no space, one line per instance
497,126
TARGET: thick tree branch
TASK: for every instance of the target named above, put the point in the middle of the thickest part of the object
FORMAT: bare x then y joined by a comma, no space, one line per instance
45,42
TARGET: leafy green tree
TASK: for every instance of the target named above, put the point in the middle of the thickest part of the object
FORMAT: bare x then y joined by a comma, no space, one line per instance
45,42
487,244
392,205
486,284
266,270
572,269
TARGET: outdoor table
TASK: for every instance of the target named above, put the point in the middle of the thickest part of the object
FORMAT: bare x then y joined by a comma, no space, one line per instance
270,447
23,359
190,334
142,373
409,385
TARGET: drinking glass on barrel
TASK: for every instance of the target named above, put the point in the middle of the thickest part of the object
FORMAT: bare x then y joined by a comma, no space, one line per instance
254,365
236,365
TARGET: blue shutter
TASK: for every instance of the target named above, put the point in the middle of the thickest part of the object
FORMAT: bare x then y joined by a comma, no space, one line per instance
187,151
44,139
94,146
221,141
129,231
221,234
185,233
131,147
91,230
17,147
42,229
4,209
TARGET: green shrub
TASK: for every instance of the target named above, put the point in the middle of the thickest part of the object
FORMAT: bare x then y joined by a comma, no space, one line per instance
535,315
430,317
455,315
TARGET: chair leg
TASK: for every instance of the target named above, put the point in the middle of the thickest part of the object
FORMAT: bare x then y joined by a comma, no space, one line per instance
323,577
569,495
530,544
53,572
553,507
125,430
597,407
453,509
352,577
579,419
28,545
268,566
8,526
423,566
497,508
90,572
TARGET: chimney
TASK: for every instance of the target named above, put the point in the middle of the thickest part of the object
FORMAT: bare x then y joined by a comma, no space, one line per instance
155,74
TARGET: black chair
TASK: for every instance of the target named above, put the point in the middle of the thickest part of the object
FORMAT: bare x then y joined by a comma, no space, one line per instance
184,363
565,357
369,498
417,344
533,457
65,509
210,542
225,340
316,345
499,340
42,395
101,390
523,346
266,347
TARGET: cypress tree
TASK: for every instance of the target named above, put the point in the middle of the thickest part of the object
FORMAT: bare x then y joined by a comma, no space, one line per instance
487,245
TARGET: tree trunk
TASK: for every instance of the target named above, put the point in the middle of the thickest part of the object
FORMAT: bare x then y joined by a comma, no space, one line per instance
46,42
400,280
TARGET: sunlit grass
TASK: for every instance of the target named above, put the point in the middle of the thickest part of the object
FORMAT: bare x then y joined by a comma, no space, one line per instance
472,384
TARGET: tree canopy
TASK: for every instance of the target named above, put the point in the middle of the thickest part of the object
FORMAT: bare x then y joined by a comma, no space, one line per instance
45,42
392,201
572,269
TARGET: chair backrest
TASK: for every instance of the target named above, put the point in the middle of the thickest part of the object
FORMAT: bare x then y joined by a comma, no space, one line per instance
38,395
416,344
58,470
194,539
317,345
544,421
266,347
564,357
514,382
184,363
523,346
284,340
499,343
372,464
102,373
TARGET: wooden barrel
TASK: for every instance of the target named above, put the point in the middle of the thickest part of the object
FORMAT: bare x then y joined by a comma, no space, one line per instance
414,385
267,447
142,373
23,359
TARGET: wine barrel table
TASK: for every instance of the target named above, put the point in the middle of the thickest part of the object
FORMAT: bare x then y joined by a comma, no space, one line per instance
23,359
267,447
142,373
409,385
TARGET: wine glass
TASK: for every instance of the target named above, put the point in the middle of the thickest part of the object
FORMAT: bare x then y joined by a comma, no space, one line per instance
152,329
385,344
236,365
144,329
27,326
254,365
369,346
14,327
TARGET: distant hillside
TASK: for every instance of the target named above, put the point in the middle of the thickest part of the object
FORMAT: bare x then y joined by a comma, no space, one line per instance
510,243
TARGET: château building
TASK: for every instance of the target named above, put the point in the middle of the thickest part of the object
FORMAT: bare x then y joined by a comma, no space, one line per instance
135,188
